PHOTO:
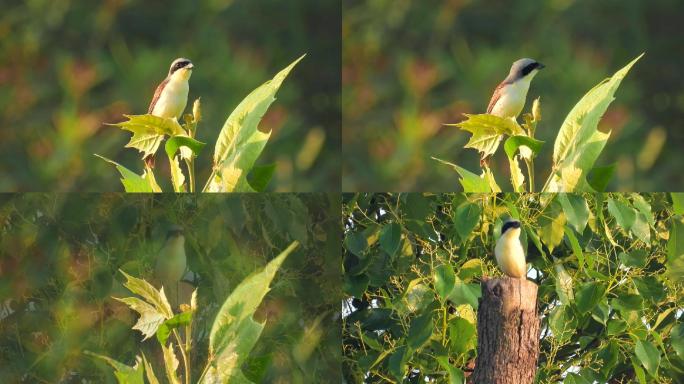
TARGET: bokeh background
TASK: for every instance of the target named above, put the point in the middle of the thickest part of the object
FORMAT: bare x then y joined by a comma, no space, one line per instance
60,253
411,66
68,66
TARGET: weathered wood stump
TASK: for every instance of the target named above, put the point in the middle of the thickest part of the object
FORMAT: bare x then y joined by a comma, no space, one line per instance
507,332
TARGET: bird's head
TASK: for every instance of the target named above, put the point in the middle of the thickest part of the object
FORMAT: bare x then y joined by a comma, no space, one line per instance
175,233
524,68
510,228
181,67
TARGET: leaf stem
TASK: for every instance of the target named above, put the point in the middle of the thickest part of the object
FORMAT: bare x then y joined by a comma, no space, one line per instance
186,365
190,163
530,172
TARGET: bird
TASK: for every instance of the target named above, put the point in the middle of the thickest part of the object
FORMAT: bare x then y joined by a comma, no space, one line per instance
171,95
509,252
171,264
509,96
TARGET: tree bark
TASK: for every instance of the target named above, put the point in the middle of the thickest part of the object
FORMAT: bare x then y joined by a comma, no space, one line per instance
507,332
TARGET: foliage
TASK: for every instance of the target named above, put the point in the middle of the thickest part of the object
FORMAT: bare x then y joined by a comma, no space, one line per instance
238,146
409,68
233,333
59,269
577,146
609,302
68,67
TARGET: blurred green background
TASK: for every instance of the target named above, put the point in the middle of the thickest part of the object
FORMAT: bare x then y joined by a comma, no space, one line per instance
60,253
411,66
67,67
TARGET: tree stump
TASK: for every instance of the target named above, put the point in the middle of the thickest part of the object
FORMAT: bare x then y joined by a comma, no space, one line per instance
507,332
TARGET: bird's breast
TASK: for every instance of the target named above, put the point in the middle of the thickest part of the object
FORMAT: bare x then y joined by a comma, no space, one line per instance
172,100
512,99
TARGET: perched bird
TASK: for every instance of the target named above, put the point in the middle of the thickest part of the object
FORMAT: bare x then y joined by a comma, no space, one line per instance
171,96
509,96
510,255
171,264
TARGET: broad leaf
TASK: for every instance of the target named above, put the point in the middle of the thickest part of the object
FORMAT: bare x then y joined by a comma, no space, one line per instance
124,374
470,181
179,320
240,142
444,280
148,131
150,318
579,142
234,332
390,238
649,356
588,295
514,142
487,131
131,181
155,297
466,218
260,175
420,330
170,364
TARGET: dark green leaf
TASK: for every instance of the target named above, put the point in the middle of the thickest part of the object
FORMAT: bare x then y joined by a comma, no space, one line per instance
576,210
397,362
624,215
626,303
616,327
465,293
355,242
677,339
599,177
573,378
444,279
455,374
390,238
635,258
260,175
462,335
649,356
420,330
417,207
466,218
650,288
588,295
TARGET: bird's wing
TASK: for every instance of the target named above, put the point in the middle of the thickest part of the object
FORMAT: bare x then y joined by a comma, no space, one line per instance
495,97
157,94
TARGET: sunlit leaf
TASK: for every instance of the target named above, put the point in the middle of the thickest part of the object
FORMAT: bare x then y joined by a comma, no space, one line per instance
170,364
240,142
165,329
470,181
579,142
149,131
124,374
131,181
487,131
514,142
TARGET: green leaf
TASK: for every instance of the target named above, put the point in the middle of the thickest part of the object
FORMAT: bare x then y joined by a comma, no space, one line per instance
576,249
635,258
552,225
465,293
131,181
234,332
677,202
626,303
356,243
462,335
165,329
148,131
579,142
260,175
562,323
677,339
588,295
420,330
650,288
615,327
563,284
175,143
240,142
638,371
573,378
576,210
599,177
390,238
397,362
487,130
466,218
417,207
649,356
624,215
444,279
124,374
150,317
455,374
177,176
470,181
514,142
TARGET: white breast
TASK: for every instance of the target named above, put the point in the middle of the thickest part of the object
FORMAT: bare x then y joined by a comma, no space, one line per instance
510,256
512,99
173,99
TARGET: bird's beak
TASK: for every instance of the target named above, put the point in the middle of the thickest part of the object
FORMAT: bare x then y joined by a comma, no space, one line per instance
540,66
191,66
